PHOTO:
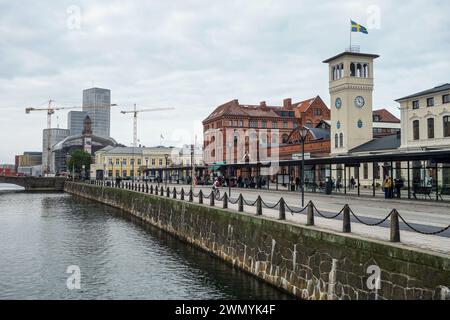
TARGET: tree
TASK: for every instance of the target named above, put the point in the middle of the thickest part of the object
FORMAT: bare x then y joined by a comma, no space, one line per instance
78,159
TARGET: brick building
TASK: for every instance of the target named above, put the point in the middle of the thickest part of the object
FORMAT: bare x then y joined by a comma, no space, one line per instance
385,123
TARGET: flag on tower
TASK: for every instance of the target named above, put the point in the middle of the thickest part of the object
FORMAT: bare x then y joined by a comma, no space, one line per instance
356,27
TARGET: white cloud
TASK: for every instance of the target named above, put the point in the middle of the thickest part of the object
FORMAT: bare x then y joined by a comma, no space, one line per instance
195,55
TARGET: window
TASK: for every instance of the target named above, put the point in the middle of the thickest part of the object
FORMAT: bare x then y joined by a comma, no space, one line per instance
253,124
415,104
285,124
376,169
317,112
430,102
230,123
264,124
241,123
124,162
336,141
153,162
416,132
341,140
117,173
447,126
132,162
160,162
366,171
295,124
285,138
110,162
117,162
446,98
139,162
430,126
274,124
376,118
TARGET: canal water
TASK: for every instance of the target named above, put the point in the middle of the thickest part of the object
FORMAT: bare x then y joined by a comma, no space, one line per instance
43,234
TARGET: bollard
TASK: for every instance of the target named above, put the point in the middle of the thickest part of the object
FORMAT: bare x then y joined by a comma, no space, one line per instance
225,201
191,195
162,191
156,190
146,187
259,206
168,192
395,227
139,187
211,199
151,189
174,193
241,203
282,211
310,214
200,197
182,193
346,227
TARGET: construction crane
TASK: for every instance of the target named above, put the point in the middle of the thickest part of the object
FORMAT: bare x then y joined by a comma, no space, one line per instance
50,110
135,114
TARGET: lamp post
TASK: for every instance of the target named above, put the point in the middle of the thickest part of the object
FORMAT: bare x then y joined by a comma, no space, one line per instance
303,134
167,157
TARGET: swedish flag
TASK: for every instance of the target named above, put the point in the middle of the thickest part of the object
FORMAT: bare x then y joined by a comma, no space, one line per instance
356,27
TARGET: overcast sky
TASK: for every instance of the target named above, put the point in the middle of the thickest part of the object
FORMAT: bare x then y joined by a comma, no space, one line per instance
196,55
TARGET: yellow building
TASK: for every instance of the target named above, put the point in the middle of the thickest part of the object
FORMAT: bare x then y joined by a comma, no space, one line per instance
129,162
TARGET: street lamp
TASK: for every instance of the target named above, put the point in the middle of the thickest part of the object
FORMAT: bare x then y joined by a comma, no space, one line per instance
303,134
167,157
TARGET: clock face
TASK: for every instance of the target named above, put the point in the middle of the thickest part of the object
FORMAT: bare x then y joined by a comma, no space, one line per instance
338,103
359,101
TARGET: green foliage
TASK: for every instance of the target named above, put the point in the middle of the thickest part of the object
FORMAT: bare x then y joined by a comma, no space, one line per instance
78,158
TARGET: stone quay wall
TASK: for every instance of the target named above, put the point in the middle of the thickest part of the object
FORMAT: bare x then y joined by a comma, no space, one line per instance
307,262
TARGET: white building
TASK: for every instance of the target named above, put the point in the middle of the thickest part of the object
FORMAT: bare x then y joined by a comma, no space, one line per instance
426,119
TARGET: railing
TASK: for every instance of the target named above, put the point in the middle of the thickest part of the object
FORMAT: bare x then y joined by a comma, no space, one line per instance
310,209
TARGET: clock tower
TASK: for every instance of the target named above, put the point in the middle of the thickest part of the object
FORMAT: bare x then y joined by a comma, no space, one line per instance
351,87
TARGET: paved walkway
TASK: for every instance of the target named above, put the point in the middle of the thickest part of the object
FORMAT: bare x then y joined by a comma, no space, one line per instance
425,216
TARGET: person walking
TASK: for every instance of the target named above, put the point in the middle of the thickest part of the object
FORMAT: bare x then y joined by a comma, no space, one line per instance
398,187
386,187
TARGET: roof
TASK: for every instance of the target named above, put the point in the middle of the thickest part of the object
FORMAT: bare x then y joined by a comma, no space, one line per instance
233,108
304,105
320,134
385,143
437,89
345,53
79,139
386,116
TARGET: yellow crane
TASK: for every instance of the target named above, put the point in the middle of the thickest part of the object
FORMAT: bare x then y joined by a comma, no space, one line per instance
135,114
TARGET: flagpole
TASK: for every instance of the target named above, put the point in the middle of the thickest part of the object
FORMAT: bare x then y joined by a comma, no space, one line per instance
350,48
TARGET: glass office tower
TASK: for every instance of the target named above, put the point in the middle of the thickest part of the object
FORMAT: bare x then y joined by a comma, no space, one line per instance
97,104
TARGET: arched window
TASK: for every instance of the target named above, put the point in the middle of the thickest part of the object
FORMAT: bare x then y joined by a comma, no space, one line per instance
284,138
308,124
341,140
446,126
359,70
342,70
366,70
416,131
334,73
352,70
336,141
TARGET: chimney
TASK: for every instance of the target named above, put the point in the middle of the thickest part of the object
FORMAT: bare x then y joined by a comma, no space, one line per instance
287,103
262,104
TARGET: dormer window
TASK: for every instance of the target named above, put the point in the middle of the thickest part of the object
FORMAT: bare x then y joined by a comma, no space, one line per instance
376,118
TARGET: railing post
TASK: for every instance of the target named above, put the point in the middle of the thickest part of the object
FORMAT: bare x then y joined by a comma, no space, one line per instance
211,199
310,214
151,189
168,192
282,211
191,195
182,193
146,187
174,192
259,206
346,226
225,201
156,190
162,191
240,203
395,227
200,197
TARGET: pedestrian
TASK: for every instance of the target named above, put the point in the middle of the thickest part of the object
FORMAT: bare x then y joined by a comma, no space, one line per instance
386,187
398,187
352,183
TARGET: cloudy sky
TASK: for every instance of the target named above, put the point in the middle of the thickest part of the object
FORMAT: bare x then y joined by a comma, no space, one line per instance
195,55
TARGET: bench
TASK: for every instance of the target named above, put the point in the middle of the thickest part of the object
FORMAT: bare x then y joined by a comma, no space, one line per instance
426,191
445,191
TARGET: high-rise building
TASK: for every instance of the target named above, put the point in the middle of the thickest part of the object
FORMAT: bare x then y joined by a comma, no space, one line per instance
75,120
50,138
97,104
